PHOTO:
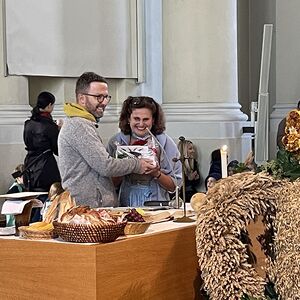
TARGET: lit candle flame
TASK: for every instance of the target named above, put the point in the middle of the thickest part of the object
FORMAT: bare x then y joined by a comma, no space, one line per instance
224,149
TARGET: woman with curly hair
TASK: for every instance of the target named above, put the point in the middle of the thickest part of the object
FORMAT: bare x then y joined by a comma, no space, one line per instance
142,122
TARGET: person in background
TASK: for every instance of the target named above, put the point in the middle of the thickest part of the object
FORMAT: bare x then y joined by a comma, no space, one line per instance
191,170
85,165
281,130
16,187
55,190
211,180
18,184
142,123
40,138
215,163
231,167
249,162
214,173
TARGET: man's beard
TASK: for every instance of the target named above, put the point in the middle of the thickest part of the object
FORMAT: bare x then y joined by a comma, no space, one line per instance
93,110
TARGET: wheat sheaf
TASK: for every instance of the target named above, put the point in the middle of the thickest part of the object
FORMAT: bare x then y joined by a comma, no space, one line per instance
225,212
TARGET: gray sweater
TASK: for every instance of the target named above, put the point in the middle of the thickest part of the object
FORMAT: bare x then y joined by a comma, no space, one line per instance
85,166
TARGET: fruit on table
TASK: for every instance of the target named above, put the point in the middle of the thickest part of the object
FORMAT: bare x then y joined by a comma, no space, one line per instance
134,216
140,211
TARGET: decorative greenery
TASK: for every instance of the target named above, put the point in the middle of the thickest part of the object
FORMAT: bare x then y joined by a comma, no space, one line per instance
241,167
286,165
270,292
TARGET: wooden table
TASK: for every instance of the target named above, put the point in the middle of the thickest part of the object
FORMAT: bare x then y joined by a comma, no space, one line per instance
160,264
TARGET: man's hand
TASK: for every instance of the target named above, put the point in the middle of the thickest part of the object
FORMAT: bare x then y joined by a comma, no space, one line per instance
147,166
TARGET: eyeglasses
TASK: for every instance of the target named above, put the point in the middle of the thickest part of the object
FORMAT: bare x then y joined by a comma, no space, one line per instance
100,98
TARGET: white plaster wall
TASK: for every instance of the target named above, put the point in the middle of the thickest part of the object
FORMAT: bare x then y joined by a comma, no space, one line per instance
200,51
14,109
288,51
287,64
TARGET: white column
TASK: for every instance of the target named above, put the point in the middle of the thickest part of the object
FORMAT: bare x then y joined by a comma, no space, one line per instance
200,84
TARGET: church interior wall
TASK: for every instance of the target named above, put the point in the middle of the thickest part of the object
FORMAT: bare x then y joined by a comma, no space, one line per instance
206,130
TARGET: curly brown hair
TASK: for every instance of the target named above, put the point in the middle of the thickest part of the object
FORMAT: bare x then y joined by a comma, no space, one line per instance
132,103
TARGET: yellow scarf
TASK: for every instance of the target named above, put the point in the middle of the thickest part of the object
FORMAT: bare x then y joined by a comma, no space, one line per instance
76,110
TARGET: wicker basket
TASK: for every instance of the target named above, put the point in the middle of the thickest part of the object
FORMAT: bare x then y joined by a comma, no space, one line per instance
27,233
85,233
136,227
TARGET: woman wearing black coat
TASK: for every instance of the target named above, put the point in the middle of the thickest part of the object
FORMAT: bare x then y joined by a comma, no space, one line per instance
40,138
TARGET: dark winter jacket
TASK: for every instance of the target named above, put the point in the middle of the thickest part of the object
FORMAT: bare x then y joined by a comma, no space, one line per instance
40,138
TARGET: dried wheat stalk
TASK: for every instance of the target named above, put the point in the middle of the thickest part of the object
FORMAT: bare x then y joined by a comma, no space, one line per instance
228,208
285,269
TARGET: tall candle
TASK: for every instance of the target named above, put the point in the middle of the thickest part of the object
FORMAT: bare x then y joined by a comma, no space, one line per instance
224,160
177,197
252,116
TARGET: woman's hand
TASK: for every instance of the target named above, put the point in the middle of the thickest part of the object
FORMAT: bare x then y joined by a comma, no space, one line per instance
59,123
147,166
193,176
155,172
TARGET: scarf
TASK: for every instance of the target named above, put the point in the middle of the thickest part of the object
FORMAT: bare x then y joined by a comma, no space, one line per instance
140,140
46,115
76,110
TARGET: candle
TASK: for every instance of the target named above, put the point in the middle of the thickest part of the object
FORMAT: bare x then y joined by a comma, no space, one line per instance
224,160
252,119
177,197
253,111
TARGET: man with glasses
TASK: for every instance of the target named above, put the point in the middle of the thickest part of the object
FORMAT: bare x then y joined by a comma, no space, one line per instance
85,166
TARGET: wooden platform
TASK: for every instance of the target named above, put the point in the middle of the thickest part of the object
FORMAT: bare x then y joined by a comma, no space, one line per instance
161,264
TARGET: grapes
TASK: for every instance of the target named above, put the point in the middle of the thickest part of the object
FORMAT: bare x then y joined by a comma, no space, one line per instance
134,216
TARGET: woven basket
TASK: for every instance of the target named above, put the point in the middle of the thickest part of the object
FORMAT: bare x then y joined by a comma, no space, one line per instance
27,233
85,233
136,227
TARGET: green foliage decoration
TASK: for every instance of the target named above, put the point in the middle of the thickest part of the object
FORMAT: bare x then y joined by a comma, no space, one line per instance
286,165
